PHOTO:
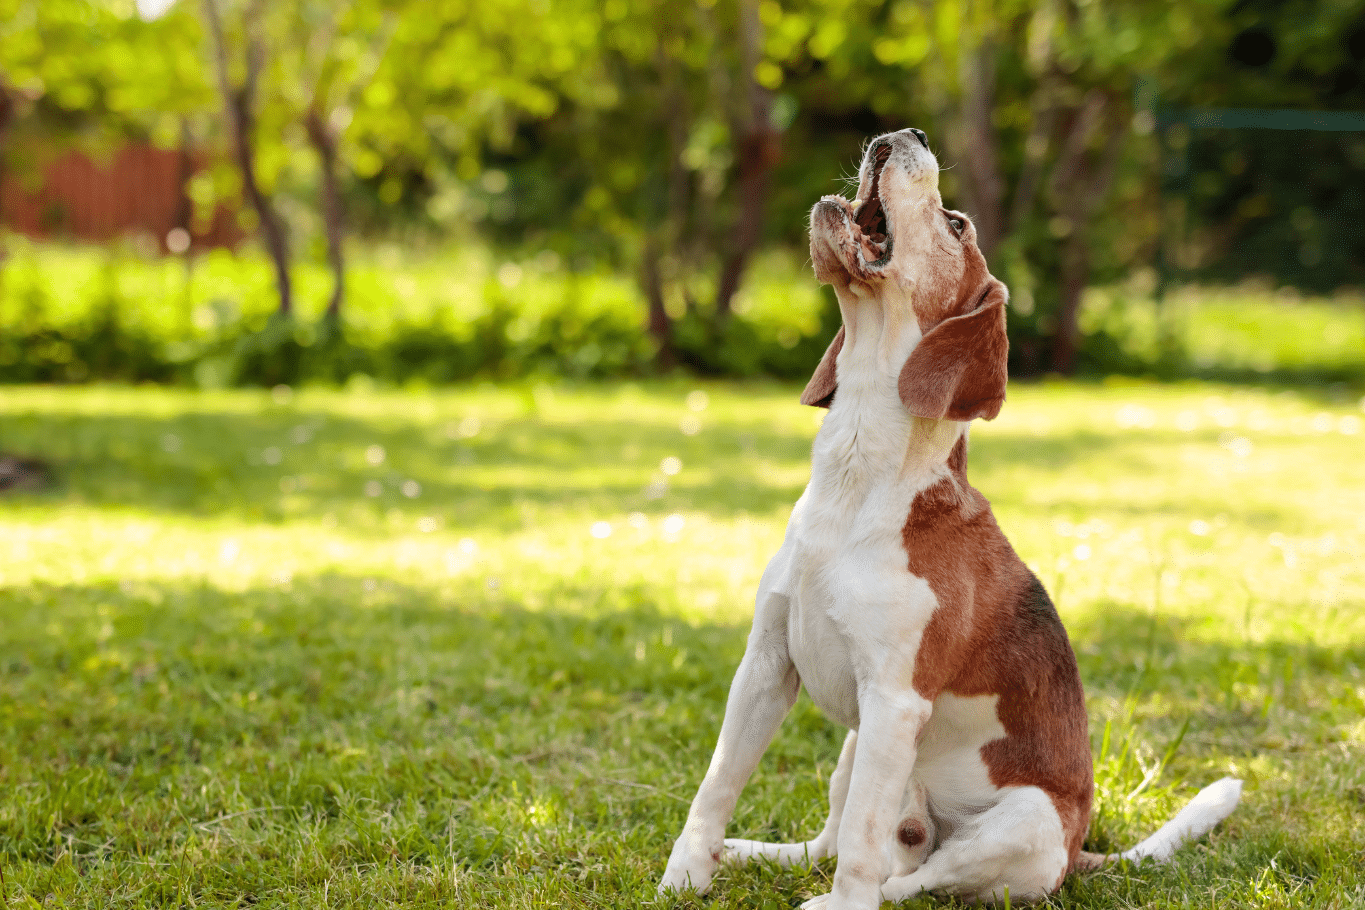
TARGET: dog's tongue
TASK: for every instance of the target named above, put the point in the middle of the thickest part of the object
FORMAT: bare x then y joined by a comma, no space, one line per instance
870,251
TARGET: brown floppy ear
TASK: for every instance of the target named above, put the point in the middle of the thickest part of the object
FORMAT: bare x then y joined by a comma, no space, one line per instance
820,390
959,370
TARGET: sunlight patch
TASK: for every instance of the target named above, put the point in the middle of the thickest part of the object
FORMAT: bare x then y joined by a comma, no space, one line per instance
467,428
1135,415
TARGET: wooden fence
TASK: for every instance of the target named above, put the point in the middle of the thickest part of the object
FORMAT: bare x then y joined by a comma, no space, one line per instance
138,191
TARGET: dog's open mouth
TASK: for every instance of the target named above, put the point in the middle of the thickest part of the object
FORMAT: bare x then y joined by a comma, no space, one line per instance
870,229
853,238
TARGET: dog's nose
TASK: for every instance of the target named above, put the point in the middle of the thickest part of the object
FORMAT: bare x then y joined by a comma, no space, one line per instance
919,134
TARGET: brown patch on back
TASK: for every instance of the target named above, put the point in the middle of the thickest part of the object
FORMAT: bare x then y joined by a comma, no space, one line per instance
996,632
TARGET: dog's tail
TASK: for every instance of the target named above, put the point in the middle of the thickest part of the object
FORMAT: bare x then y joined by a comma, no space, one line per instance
1212,804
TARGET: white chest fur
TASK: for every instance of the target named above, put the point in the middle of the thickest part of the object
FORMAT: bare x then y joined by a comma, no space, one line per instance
854,607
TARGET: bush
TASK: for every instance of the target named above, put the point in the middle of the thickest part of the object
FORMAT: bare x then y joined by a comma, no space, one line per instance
78,314
71,315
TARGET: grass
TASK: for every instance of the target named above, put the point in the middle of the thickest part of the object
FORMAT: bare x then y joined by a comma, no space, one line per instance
471,647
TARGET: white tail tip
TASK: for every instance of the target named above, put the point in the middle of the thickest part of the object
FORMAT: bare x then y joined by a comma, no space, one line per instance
1209,807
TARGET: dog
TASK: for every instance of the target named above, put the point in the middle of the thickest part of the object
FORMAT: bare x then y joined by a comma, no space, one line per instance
898,603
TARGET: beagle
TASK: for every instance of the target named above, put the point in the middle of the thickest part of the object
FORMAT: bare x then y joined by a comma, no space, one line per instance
898,603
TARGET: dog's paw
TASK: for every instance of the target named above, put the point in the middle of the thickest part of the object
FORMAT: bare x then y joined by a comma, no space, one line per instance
687,870
678,880
861,897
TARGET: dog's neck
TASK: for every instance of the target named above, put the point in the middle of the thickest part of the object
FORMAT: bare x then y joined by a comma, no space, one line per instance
868,437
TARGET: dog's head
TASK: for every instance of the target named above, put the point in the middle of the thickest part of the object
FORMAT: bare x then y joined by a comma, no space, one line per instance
898,247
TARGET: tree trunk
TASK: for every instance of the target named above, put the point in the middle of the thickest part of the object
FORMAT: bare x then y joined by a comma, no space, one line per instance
758,146
272,228
676,219
759,151
1027,187
184,205
1080,181
1075,275
6,115
333,214
660,327
239,105
979,153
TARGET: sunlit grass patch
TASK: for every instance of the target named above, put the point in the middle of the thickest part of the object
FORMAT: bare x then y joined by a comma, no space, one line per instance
473,646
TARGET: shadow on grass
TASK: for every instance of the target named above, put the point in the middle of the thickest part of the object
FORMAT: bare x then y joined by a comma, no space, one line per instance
417,723
1328,382
291,463
290,738
1124,650
374,720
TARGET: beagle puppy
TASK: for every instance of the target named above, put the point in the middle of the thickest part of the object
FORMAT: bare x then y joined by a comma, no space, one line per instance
898,603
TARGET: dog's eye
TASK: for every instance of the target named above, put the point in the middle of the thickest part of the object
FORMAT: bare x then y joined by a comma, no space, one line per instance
957,225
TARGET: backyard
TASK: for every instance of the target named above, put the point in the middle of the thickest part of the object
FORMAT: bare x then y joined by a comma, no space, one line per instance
399,403
363,647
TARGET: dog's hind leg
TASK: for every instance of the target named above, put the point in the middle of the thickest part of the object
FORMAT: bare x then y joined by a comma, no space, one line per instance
1017,847
826,843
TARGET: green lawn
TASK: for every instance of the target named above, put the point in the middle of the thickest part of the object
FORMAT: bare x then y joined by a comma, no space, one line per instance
471,648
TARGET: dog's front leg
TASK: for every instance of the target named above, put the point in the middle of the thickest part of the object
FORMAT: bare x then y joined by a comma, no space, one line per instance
889,724
763,691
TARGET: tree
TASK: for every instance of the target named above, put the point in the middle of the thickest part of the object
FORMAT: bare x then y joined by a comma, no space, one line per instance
239,98
339,49
92,75
1032,103
692,85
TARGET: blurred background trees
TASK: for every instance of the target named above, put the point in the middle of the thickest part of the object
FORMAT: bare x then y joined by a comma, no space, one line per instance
674,141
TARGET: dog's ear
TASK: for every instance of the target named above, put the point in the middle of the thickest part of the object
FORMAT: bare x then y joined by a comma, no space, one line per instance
959,369
820,390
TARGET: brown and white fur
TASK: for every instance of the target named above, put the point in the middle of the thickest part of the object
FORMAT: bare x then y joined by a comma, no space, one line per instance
898,603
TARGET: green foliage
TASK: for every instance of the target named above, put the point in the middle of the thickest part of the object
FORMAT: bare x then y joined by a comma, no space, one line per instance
604,131
1282,204
375,649
95,73
1253,208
